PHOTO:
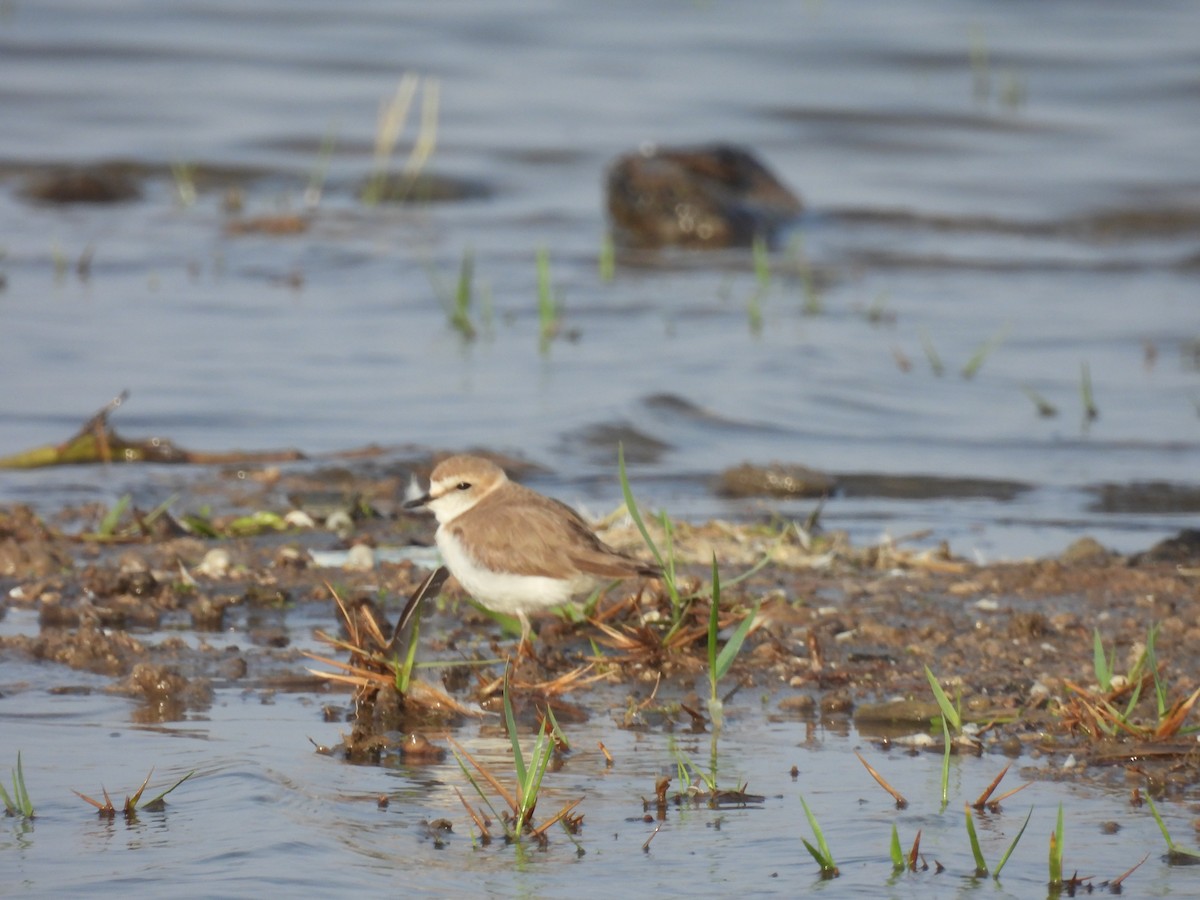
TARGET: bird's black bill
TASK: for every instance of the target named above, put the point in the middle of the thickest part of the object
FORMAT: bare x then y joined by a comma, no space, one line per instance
420,501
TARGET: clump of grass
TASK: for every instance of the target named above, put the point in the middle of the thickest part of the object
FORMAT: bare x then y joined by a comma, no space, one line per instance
700,786
393,114
18,803
1098,714
517,819
132,803
549,311
821,852
379,661
110,530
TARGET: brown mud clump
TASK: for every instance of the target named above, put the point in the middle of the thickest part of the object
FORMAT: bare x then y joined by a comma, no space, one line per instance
705,197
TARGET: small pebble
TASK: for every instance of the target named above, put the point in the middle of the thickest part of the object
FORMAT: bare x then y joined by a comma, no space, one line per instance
215,563
361,558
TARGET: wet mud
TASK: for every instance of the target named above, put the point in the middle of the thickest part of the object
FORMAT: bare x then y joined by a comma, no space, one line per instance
842,632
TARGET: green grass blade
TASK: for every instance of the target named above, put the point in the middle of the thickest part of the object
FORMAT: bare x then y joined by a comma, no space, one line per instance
461,316
669,537
510,723
945,764
108,525
899,863
730,651
1173,849
985,349
949,713
543,750
608,258
158,801
1100,662
1090,412
555,732
816,854
1012,846
714,616
981,868
931,354
548,313
1056,850
762,262
762,563
404,669
470,776
632,507
23,801
824,858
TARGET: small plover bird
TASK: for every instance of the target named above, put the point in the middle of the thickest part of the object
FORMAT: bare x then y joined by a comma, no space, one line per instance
512,549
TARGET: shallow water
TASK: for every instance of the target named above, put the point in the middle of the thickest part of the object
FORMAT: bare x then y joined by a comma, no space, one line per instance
265,812
971,171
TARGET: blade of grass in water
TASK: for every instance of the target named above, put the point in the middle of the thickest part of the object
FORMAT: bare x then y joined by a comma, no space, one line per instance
1056,850
981,868
1174,851
548,312
1090,412
949,713
931,354
985,350
899,863
1013,846
821,852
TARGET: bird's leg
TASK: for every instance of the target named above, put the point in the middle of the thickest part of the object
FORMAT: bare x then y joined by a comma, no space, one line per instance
525,647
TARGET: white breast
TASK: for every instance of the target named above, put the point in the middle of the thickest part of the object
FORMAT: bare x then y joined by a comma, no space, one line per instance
505,592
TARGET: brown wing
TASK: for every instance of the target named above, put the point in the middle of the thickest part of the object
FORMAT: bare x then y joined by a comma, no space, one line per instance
529,534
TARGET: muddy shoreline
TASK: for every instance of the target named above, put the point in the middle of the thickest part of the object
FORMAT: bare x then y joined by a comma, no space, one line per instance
843,632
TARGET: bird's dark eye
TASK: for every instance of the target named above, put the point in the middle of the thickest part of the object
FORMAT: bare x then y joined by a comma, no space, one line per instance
463,486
